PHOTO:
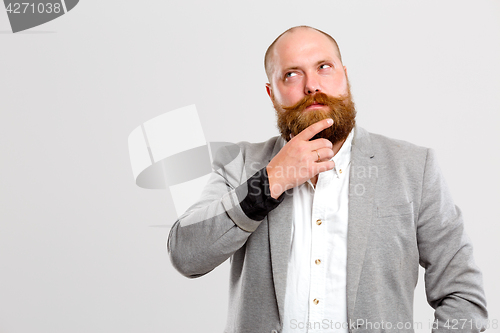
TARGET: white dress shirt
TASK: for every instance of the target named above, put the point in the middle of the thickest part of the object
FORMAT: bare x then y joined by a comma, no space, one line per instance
315,299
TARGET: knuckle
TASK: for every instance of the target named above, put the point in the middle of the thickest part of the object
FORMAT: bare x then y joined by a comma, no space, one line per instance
327,142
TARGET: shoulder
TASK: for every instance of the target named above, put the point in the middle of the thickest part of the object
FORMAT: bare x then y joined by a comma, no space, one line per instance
260,150
389,148
252,156
396,162
248,150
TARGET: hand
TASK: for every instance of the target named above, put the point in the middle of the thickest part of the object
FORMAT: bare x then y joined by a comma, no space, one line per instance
298,160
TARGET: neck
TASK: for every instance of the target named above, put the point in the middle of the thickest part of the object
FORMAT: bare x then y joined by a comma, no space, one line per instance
336,147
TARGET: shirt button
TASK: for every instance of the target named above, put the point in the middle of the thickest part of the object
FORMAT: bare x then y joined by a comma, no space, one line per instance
317,261
318,222
315,301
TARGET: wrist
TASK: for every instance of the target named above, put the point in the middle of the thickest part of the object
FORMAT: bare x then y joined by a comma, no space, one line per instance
275,188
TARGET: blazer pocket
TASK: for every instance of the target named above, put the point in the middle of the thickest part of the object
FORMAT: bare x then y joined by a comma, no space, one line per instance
397,210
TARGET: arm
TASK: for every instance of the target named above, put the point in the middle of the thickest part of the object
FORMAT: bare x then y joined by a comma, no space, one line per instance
229,210
232,207
453,282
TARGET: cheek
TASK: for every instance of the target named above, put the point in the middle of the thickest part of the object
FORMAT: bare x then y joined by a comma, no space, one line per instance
343,82
287,97
293,95
338,87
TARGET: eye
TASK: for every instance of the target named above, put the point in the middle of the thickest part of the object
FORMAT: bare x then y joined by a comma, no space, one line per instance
324,66
290,74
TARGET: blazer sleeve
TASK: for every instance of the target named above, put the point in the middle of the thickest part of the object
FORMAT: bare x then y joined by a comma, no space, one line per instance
453,282
230,208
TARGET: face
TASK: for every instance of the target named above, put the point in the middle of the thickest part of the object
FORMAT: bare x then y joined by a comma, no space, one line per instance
309,84
304,62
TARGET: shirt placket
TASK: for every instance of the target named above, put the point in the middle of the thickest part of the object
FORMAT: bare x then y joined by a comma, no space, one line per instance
318,261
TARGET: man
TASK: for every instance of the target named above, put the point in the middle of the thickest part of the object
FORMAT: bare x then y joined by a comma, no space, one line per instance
326,225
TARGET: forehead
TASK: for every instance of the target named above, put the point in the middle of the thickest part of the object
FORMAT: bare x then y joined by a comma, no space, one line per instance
301,46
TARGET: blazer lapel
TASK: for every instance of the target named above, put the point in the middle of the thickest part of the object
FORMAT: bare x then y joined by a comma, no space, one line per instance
362,179
280,228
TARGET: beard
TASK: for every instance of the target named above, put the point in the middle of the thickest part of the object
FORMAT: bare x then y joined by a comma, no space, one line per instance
292,120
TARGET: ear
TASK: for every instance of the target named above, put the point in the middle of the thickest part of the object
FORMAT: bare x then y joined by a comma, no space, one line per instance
268,89
345,70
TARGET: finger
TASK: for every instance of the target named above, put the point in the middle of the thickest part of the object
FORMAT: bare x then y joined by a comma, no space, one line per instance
319,144
324,154
316,157
322,166
314,129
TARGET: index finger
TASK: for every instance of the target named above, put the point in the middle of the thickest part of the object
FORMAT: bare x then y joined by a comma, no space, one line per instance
314,129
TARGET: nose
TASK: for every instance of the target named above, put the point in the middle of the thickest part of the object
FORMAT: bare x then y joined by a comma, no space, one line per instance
312,85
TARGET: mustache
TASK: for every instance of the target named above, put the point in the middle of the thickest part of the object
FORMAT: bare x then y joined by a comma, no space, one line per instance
291,120
317,98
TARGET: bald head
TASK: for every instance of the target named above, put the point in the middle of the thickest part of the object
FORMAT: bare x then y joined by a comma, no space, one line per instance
271,50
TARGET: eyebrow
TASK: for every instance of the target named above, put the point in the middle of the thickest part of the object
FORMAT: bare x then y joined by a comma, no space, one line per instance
296,67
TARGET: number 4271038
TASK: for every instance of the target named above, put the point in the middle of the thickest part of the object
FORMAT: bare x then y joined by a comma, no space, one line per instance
40,8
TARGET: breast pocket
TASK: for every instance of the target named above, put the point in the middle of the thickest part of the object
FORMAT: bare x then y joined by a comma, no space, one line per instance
393,235
396,210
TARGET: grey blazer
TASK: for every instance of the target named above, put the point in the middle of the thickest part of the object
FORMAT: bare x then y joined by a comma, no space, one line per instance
400,215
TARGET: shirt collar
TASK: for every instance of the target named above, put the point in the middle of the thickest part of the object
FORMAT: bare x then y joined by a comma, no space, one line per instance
343,156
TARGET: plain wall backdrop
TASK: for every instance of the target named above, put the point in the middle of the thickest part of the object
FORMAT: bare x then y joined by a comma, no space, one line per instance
82,248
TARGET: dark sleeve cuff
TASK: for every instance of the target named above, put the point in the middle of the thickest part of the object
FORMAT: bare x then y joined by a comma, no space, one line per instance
258,202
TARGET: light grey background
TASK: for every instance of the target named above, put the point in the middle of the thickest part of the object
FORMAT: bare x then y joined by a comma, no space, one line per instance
82,249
